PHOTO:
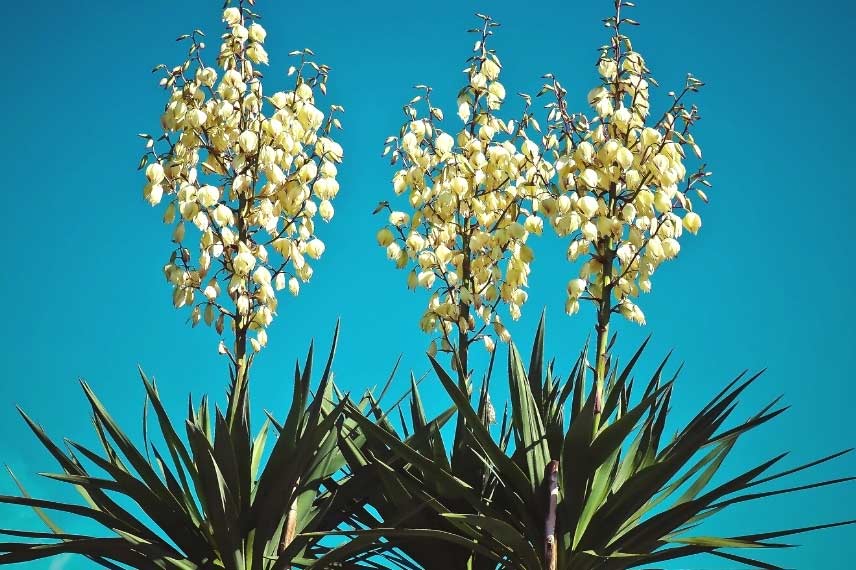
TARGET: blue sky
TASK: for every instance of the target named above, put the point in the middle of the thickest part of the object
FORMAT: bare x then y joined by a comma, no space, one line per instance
769,281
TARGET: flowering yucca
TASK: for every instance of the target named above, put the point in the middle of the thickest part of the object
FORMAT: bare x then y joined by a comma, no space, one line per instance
622,192
247,173
244,175
473,196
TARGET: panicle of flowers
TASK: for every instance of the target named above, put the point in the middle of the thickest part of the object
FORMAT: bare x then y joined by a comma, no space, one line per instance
472,199
622,192
244,177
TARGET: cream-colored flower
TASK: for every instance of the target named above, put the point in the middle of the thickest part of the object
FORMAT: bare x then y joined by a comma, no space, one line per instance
208,195
232,16
262,276
671,247
315,248
244,261
444,143
587,206
399,219
155,173
257,54
490,69
325,210
534,225
249,142
576,287
692,222
153,193
257,33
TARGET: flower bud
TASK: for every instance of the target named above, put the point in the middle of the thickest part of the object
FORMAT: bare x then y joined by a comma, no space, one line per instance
169,214
501,331
384,237
178,233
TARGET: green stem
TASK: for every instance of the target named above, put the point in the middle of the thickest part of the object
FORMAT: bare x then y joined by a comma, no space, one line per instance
237,395
600,370
604,311
464,312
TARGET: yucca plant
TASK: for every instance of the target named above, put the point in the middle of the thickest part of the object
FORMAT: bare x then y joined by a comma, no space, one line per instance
218,499
578,475
238,169
540,492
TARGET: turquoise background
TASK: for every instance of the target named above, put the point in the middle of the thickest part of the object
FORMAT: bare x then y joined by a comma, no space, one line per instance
769,281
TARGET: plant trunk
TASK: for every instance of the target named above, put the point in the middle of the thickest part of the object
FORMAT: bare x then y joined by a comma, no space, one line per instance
550,548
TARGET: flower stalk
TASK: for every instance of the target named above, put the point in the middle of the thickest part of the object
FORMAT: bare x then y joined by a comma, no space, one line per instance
621,192
244,174
474,200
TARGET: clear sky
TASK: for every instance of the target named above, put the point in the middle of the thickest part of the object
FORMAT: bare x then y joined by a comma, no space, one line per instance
768,282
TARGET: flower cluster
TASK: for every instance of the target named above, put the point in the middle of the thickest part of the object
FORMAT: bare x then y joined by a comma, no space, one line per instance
246,175
472,198
622,189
